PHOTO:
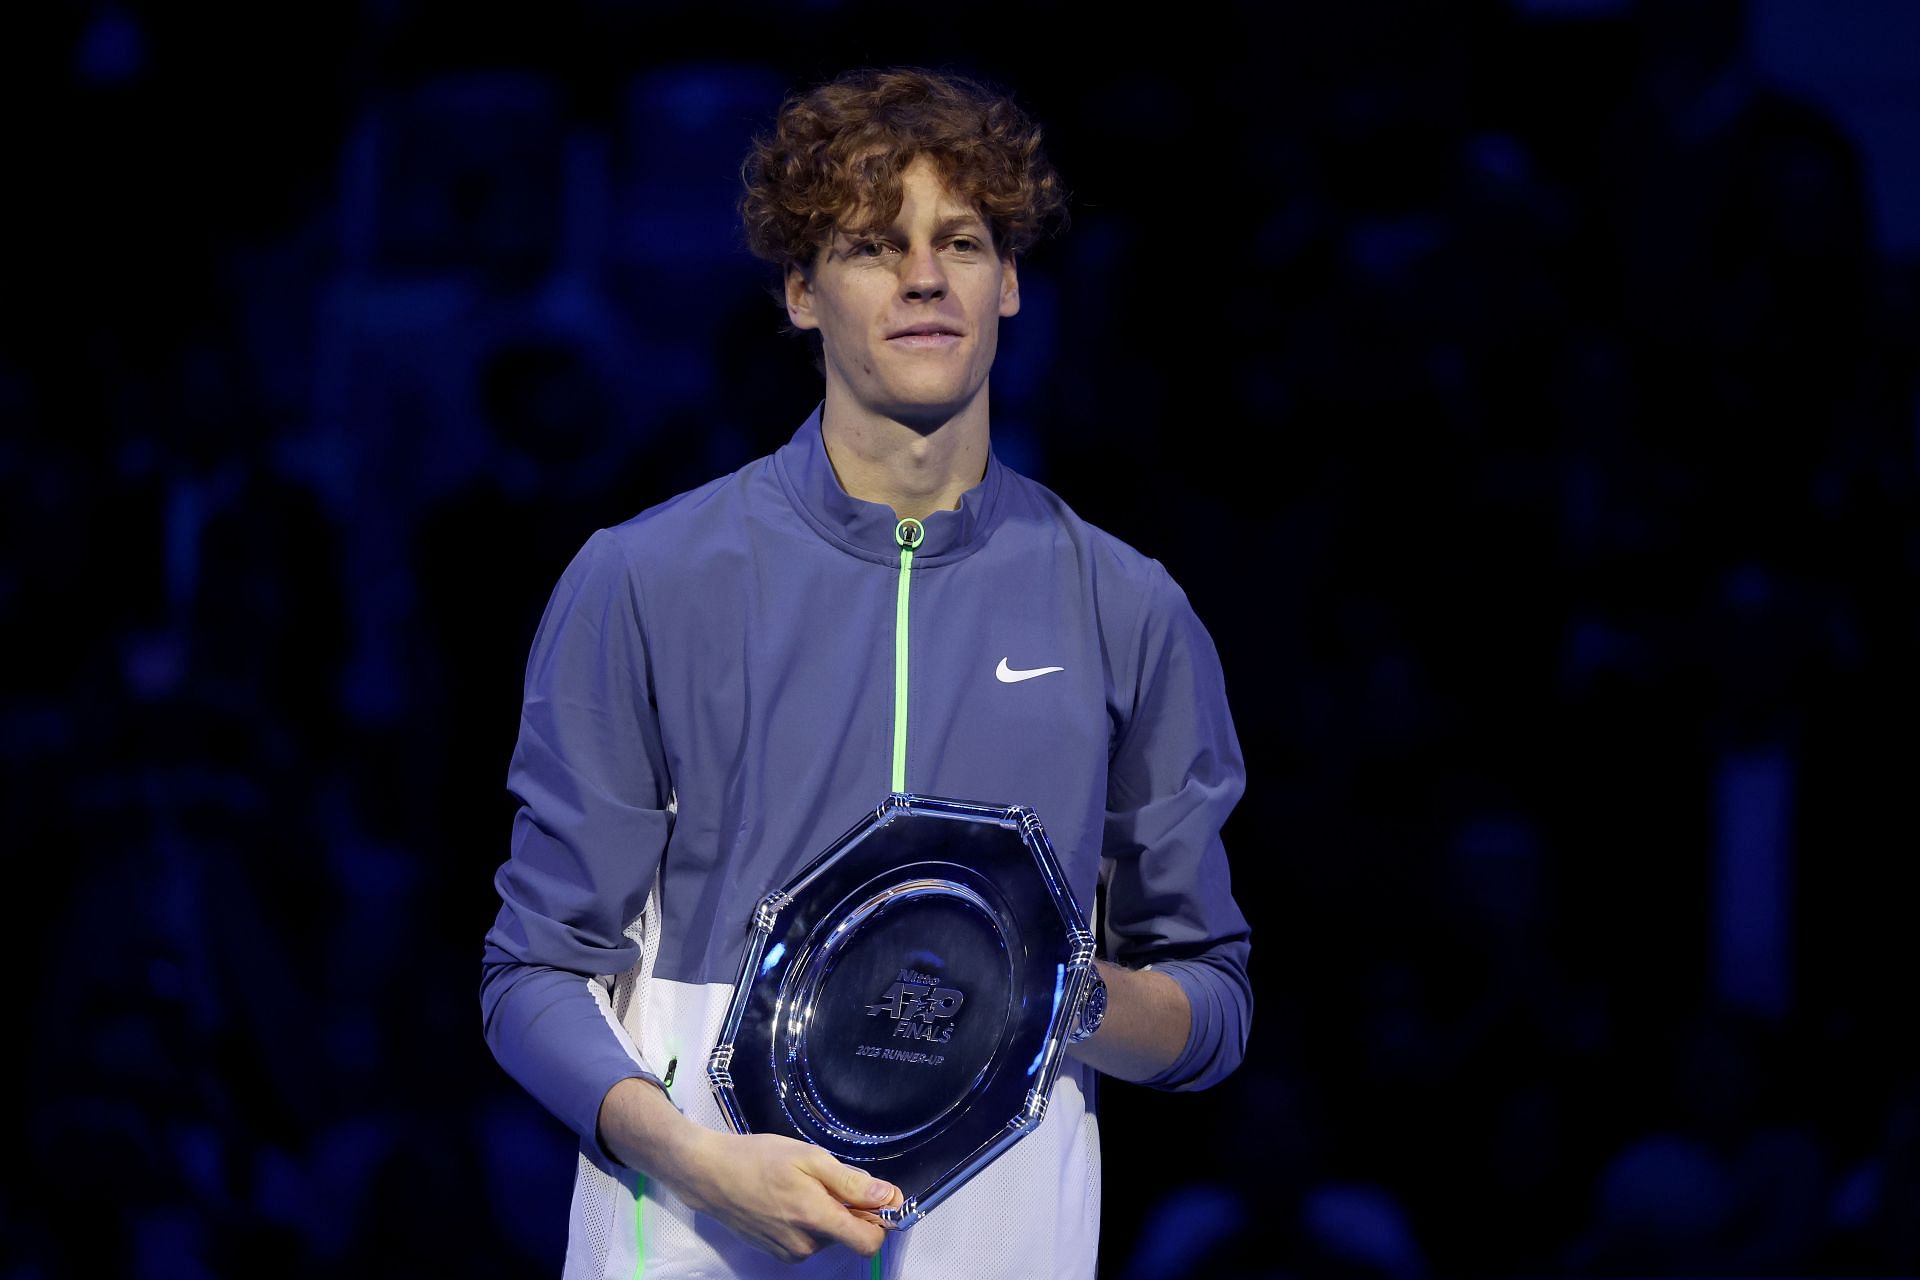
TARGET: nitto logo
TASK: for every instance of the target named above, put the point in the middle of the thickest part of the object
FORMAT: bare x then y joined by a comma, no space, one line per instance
920,1010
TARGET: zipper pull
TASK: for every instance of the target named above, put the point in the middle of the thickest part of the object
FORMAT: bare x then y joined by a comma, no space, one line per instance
909,533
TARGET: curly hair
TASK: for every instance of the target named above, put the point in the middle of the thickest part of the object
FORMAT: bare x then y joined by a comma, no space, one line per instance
837,152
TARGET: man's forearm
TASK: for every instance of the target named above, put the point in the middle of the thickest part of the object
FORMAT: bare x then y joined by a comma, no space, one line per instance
642,1129
1145,1028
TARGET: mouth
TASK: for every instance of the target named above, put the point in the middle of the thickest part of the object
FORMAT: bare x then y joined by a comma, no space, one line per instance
924,336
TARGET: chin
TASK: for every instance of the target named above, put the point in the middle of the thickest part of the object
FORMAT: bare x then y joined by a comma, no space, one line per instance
921,404
925,417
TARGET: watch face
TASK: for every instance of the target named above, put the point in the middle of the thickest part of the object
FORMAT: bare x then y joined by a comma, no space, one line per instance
1093,1007
904,1001
1096,1006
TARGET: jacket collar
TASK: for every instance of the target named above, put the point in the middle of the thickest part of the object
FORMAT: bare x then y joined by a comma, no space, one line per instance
866,529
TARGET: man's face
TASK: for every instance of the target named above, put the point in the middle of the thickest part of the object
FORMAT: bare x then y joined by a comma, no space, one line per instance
909,314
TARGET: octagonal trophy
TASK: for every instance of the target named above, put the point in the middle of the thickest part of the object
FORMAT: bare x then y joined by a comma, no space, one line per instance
905,1000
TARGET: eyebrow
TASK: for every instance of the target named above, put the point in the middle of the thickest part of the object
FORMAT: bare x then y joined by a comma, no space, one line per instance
949,225
959,222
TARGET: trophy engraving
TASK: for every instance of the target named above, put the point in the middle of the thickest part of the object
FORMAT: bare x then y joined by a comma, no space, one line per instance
920,1010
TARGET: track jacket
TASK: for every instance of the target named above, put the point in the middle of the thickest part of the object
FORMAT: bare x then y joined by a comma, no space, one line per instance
715,694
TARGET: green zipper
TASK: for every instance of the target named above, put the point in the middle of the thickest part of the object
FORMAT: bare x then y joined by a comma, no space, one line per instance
909,534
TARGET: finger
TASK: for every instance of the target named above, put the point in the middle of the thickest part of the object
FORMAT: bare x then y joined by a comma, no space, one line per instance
800,1241
849,1185
863,1237
893,1201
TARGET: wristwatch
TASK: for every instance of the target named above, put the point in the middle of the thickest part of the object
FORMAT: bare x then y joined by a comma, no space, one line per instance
1093,1007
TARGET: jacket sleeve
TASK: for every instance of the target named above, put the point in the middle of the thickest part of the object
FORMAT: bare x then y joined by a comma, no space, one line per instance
1175,776
590,777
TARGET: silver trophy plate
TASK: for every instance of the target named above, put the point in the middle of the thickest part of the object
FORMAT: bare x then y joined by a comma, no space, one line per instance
904,1002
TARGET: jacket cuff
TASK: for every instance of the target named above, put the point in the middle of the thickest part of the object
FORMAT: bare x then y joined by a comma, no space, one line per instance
1217,1030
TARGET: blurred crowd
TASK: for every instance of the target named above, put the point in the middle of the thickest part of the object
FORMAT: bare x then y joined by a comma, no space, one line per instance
1525,404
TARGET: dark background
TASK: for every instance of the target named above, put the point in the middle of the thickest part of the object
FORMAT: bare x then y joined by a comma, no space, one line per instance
1523,392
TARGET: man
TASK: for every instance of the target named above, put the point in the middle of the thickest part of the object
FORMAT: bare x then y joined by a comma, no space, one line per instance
724,684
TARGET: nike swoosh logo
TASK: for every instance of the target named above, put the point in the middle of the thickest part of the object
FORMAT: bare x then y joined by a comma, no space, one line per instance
1007,675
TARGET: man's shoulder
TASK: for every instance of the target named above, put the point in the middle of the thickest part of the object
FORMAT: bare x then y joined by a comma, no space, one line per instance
688,522
1113,559
670,542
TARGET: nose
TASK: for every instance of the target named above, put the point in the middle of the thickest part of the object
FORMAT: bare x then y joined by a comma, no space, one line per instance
923,278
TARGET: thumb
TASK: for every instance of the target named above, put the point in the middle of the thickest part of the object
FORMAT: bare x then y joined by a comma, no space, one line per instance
858,1187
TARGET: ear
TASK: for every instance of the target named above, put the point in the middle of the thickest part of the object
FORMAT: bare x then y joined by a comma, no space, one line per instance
1009,288
800,300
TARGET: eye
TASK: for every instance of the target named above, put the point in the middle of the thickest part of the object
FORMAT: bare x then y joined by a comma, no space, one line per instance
867,249
963,244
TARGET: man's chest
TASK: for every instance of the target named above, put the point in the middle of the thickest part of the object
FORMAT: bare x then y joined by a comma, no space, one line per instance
791,696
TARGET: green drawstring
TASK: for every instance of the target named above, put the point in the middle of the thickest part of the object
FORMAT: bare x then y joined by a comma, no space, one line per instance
639,1226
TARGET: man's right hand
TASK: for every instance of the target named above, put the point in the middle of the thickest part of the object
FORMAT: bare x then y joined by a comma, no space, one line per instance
787,1197
778,1194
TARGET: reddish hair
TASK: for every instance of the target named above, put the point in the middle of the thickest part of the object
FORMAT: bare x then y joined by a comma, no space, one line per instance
837,152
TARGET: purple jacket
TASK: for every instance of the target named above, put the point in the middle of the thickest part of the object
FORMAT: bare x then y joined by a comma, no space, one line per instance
710,701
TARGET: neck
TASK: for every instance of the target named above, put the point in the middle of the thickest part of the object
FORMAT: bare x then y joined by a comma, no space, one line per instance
914,469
